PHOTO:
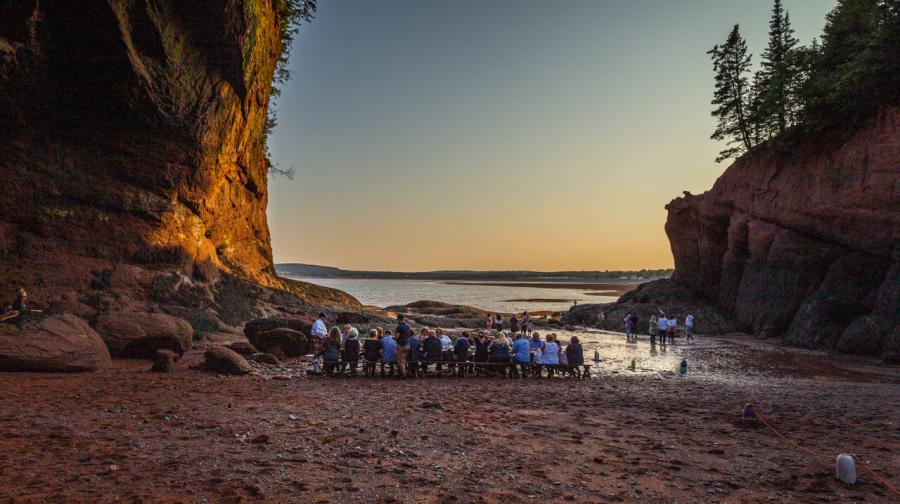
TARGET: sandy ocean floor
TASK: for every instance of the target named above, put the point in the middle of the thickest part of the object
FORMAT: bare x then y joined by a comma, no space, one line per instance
646,436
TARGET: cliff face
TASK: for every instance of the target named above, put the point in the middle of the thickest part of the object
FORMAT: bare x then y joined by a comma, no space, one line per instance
131,134
802,244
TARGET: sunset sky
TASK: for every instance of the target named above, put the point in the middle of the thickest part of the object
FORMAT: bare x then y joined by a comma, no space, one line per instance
501,134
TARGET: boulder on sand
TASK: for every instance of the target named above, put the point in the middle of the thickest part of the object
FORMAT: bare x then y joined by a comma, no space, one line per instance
243,348
164,361
282,341
302,324
225,361
140,334
57,343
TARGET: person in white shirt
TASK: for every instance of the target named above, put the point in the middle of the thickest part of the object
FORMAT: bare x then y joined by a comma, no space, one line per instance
663,325
317,343
689,327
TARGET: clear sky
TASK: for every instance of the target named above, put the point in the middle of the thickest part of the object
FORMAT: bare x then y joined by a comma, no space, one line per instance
501,134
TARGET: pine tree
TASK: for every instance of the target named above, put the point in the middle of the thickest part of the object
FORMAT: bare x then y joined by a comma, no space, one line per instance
731,62
777,73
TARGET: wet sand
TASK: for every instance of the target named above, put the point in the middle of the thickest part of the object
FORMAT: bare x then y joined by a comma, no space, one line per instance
646,436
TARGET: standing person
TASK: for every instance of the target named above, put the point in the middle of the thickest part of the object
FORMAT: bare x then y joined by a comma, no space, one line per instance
672,327
388,353
415,354
629,327
652,328
498,323
350,352
371,353
318,332
332,350
513,325
403,333
575,354
662,325
689,327
461,350
490,322
525,321
345,333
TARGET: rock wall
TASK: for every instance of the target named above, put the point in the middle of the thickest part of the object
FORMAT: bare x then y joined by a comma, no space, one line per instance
803,242
131,134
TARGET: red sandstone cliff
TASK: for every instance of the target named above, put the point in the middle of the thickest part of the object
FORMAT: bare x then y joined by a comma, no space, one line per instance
802,243
132,157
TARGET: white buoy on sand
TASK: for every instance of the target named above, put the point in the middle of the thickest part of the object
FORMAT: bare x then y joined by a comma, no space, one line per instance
845,468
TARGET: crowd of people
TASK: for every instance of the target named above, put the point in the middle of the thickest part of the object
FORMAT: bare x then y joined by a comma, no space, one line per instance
664,327
403,353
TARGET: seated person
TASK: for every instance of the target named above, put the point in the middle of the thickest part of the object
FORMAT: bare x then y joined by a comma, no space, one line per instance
461,349
332,350
499,352
522,350
434,352
350,353
388,353
18,308
371,353
415,355
575,354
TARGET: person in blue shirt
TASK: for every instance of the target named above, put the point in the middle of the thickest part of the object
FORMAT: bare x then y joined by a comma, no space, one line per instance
522,352
388,353
461,350
499,352
415,354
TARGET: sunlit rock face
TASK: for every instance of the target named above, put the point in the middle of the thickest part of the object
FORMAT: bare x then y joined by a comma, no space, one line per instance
131,134
802,243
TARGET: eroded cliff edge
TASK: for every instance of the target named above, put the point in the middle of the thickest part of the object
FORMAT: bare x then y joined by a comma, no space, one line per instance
134,175
802,242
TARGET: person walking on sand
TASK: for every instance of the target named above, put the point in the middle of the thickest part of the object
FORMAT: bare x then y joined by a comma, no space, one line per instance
629,327
662,325
525,321
672,327
689,327
318,332
653,329
498,323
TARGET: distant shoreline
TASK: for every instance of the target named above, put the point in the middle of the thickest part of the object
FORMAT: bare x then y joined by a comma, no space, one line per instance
604,288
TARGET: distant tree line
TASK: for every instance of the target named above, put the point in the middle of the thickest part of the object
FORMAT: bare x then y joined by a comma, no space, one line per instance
841,77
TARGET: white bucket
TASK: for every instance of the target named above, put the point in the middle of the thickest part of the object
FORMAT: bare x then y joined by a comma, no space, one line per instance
845,469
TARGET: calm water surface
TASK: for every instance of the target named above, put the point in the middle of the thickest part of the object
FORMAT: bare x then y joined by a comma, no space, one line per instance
383,293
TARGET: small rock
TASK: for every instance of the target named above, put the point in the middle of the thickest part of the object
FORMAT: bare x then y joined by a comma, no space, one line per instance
260,439
164,361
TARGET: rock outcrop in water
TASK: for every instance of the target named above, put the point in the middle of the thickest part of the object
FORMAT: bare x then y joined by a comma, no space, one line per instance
803,243
133,161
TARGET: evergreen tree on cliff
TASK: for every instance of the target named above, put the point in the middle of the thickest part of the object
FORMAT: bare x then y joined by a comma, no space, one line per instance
857,69
731,62
777,75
